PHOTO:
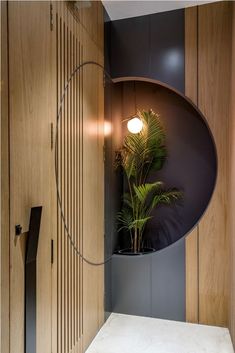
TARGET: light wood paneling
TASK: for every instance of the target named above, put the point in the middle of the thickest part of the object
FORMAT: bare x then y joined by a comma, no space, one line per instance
42,57
191,91
232,193
80,287
69,311
93,193
208,69
214,31
4,238
54,213
30,160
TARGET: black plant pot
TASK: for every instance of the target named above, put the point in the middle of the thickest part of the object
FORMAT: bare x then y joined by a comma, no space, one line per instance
131,252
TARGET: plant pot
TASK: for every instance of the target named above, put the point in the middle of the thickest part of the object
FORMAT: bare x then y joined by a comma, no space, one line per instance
131,252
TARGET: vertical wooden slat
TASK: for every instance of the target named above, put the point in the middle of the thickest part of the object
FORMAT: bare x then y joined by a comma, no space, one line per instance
81,196
232,192
55,216
79,226
71,189
76,260
100,220
73,196
69,156
67,162
59,149
64,193
75,200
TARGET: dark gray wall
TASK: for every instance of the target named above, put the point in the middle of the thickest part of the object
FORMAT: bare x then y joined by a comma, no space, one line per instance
154,285
150,285
113,181
149,46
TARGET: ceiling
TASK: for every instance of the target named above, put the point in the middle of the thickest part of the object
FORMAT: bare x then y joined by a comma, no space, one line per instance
123,9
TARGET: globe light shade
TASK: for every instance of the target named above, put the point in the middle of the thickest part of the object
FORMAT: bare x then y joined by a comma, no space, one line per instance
135,125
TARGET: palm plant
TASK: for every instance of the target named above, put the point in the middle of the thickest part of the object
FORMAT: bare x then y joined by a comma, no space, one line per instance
140,154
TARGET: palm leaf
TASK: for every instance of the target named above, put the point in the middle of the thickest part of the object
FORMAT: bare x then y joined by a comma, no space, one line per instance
125,219
127,200
165,198
140,223
143,191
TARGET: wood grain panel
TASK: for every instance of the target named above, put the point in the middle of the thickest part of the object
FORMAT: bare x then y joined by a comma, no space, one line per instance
90,17
93,232
42,58
30,160
232,193
68,57
191,91
4,238
192,303
54,211
208,40
80,164
214,55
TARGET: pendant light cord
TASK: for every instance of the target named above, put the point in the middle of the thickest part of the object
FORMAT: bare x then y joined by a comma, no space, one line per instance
59,199
135,98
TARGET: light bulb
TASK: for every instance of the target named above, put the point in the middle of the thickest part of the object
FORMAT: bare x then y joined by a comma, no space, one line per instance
135,125
107,128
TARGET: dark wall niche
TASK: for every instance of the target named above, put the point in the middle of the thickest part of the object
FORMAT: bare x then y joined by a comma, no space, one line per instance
191,165
154,285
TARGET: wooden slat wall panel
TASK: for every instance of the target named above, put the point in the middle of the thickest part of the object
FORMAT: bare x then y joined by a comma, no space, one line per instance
69,310
191,90
54,219
213,85
80,163
93,231
30,160
192,290
4,237
100,215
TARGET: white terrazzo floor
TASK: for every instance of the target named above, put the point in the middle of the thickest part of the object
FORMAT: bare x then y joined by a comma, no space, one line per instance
135,334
